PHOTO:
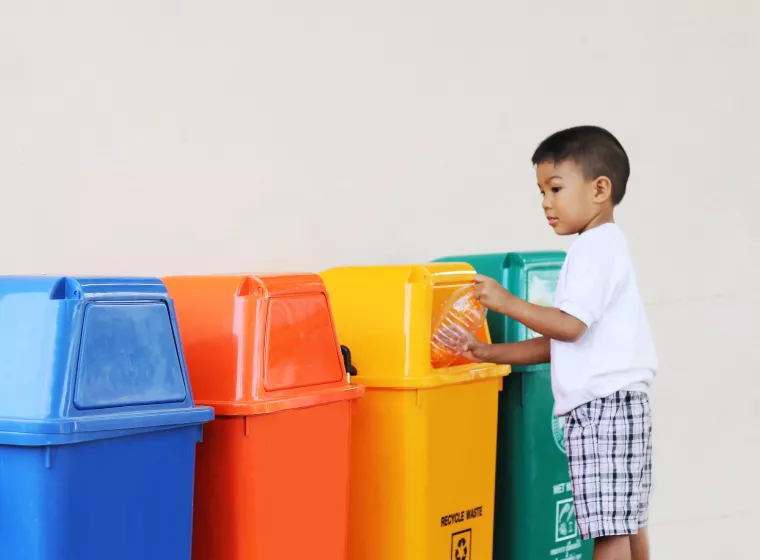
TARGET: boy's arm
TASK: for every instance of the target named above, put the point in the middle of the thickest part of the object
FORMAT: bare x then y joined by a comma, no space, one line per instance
547,321
525,353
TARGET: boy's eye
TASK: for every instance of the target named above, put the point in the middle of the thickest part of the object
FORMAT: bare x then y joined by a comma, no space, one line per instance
555,190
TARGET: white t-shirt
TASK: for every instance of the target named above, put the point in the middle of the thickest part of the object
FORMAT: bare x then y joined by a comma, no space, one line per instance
597,285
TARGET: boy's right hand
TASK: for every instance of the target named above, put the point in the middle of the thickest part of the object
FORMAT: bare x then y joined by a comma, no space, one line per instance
473,349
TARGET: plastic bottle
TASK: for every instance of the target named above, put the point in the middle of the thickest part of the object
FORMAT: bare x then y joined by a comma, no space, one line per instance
462,314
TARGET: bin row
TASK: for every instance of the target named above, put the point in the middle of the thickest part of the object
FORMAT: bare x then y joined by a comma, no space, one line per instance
276,452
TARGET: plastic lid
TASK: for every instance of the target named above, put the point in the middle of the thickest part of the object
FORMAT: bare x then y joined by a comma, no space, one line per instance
384,314
259,344
89,355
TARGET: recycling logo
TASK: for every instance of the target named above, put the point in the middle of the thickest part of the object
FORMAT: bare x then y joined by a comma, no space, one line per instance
461,545
460,552
558,431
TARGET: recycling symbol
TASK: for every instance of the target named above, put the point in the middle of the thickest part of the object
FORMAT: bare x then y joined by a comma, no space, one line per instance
460,553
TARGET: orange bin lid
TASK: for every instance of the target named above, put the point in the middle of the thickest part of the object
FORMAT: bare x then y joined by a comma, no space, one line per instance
259,344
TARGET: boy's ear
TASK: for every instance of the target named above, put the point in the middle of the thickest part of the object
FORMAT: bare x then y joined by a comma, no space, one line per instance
602,189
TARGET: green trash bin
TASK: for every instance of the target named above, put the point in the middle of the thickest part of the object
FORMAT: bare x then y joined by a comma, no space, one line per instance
534,515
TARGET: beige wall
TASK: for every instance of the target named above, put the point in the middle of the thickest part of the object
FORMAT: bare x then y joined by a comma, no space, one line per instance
154,137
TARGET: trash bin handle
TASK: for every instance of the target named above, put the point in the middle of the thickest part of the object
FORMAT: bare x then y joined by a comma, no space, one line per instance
350,368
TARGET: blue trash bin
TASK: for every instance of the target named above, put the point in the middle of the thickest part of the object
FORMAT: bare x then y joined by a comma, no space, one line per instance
98,427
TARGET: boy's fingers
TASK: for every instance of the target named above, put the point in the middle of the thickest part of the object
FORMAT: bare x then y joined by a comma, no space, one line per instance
479,279
471,357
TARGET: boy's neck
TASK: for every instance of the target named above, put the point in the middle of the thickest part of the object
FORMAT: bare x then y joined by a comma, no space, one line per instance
604,217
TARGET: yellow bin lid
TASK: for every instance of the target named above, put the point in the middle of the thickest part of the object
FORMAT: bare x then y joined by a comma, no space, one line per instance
384,314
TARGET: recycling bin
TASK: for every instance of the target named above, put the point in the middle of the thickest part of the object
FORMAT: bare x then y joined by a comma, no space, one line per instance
535,519
98,428
424,440
272,471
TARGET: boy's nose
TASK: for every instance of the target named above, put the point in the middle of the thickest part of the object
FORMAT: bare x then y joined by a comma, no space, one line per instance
546,203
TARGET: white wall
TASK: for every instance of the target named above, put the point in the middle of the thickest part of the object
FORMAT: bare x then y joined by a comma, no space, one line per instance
167,136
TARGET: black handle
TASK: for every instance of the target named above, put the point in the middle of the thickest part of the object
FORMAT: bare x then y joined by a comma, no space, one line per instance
350,369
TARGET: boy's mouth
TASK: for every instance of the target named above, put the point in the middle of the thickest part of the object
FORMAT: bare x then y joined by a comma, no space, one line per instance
552,221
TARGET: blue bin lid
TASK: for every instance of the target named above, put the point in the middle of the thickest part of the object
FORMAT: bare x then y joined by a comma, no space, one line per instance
89,358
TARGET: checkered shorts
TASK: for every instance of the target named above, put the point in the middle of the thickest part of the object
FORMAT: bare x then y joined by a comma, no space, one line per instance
609,449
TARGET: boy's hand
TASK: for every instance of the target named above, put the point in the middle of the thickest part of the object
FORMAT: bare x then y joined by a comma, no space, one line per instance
473,349
491,294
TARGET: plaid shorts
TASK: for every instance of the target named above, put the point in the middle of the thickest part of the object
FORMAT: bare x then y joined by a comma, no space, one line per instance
609,449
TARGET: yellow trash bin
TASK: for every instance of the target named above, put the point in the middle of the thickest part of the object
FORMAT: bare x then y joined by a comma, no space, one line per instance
423,440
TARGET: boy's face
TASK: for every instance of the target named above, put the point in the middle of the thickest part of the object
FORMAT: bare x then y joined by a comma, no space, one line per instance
570,201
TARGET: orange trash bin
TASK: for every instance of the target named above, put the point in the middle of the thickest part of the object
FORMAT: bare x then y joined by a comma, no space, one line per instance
272,472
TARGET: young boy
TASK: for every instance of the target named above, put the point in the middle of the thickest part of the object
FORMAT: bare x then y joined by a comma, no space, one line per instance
597,335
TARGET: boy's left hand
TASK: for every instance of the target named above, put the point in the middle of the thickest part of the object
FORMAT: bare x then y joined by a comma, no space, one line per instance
491,293
473,349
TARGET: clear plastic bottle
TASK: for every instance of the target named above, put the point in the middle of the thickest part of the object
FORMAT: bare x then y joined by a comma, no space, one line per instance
462,314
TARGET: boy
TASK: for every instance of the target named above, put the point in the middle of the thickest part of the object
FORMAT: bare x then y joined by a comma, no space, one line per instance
602,354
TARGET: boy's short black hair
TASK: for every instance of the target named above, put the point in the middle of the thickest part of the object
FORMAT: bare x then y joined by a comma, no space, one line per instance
595,150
